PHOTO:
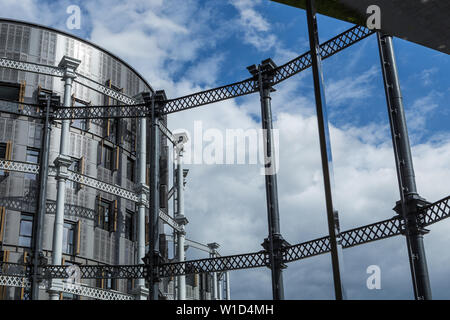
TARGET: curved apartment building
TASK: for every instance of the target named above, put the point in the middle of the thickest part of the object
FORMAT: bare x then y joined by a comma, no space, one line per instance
99,227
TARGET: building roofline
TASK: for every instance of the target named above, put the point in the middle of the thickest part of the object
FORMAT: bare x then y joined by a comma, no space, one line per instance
32,24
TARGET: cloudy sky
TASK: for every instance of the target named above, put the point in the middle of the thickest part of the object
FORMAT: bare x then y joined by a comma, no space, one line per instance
191,45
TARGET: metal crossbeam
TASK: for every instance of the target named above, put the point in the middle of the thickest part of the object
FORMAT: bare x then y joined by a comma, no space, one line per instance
83,290
167,133
103,186
282,73
235,262
32,67
429,214
233,90
434,212
102,112
169,220
97,272
77,289
193,244
14,269
327,49
27,167
20,109
94,85
19,166
59,72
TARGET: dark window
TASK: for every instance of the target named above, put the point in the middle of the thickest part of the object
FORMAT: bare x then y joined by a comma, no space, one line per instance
108,157
130,285
68,238
110,284
9,91
129,225
2,150
32,157
104,215
26,229
130,169
2,155
75,167
79,123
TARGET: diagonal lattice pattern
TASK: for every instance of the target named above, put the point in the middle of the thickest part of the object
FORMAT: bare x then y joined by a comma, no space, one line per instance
434,212
71,210
306,249
14,269
327,49
372,232
102,112
235,262
20,109
376,231
97,272
282,73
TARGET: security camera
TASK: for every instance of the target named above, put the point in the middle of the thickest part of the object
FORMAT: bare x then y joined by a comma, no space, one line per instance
181,137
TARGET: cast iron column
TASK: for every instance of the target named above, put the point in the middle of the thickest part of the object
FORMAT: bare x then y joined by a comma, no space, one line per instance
179,216
212,254
410,200
143,192
154,150
62,163
275,242
38,226
325,149
227,274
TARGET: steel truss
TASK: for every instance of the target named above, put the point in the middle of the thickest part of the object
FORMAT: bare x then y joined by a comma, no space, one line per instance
77,289
426,215
131,109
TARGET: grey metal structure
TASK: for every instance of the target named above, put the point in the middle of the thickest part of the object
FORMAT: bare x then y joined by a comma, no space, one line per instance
67,226
414,212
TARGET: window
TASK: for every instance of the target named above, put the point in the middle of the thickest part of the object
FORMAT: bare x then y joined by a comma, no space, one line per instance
26,229
129,225
69,238
9,91
2,155
32,157
104,214
2,150
110,284
130,169
108,157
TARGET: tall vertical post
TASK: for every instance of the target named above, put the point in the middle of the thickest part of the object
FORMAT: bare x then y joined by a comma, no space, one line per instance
38,226
325,150
220,287
143,191
62,163
227,285
410,201
274,242
212,254
154,254
180,218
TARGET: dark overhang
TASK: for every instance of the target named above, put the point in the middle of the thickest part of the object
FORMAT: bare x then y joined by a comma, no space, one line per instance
425,22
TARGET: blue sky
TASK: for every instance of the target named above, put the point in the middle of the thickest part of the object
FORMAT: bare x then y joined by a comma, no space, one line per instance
187,46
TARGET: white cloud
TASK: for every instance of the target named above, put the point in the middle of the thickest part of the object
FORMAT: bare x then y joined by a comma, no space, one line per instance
227,204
